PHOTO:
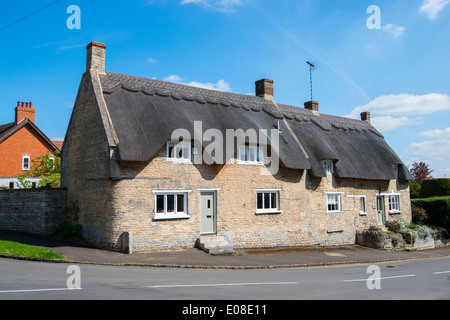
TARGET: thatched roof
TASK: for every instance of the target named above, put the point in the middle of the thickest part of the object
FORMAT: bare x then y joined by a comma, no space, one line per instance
145,112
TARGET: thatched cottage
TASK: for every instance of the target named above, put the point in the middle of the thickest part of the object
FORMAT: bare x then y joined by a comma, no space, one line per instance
148,166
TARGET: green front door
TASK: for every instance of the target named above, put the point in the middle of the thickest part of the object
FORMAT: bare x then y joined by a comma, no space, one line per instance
207,213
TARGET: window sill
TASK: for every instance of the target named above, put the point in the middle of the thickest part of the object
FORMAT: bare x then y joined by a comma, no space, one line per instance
268,212
171,217
251,163
363,213
178,160
335,211
394,212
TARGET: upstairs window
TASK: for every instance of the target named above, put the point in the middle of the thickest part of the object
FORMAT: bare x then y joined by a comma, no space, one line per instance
179,151
328,166
251,155
25,163
395,171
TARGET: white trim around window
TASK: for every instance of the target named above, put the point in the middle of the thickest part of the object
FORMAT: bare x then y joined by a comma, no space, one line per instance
171,204
267,201
178,151
251,155
394,203
26,163
362,203
334,202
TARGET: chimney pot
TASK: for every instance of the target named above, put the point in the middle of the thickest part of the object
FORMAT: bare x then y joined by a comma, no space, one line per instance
264,89
312,105
24,110
95,60
365,116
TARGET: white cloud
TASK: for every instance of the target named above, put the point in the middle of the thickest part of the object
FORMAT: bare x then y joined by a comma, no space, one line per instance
392,111
396,31
151,60
220,85
215,5
433,7
436,133
433,150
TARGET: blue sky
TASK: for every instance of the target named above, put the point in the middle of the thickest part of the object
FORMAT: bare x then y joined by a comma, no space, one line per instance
399,72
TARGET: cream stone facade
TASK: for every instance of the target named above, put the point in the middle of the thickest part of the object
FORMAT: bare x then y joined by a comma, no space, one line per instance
130,198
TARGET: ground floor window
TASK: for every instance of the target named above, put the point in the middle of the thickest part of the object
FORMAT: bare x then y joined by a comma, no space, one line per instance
267,201
334,202
394,203
171,205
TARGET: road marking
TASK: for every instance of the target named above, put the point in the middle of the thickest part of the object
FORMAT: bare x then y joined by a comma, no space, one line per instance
38,290
382,278
441,272
222,284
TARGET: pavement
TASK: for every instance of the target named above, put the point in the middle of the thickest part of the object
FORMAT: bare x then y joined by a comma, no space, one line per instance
78,253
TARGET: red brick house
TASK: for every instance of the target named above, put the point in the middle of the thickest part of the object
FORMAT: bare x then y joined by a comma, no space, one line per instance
20,142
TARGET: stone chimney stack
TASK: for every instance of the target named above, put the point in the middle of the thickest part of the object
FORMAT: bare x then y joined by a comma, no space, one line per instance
24,110
96,53
264,89
365,116
312,105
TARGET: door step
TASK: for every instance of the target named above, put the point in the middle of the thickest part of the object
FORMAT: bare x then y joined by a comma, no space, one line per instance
214,244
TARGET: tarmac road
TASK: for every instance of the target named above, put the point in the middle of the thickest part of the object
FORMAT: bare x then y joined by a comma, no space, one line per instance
409,279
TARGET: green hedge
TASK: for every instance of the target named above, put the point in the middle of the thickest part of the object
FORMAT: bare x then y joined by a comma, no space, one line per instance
437,209
435,188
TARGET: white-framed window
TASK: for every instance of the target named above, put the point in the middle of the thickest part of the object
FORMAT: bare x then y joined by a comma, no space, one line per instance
250,155
394,203
51,161
362,203
334,203
362,206
171,204
395,166
25,163
268,201
328,166
179,151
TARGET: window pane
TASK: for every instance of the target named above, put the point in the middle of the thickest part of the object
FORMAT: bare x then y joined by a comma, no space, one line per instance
26,163
252,152
170,151
247,153
259,155
362,204
160,203
259,201
180,203
170,203
266,200
274,201
186,150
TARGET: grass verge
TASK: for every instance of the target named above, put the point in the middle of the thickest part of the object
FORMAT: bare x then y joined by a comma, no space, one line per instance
10,248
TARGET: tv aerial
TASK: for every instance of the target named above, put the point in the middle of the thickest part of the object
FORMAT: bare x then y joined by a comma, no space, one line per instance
312,67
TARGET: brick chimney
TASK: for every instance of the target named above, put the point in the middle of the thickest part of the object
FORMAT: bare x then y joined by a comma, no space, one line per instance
24,110
312,105
264,89
365,116
96,57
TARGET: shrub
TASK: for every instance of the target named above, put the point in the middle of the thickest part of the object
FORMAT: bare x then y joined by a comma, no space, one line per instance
437,210
435,188
414,190
68,231
419,215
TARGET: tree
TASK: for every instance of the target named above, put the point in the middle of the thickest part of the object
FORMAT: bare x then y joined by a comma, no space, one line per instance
46,166
420,171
